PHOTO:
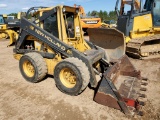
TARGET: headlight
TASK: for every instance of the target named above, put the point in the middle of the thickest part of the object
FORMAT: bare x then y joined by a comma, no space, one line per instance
64,9
77,11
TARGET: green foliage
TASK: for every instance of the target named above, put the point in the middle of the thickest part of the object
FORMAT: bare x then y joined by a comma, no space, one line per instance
112,15
101,15
89,13
13,14
94,13
104,15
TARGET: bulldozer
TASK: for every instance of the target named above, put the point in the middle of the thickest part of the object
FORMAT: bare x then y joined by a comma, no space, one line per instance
47,46
140,25
13,22
5,31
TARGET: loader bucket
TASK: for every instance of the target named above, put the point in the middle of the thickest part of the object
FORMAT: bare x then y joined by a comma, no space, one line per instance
110,39
121,88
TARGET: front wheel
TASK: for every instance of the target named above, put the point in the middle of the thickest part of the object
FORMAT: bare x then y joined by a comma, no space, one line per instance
33,67
71,76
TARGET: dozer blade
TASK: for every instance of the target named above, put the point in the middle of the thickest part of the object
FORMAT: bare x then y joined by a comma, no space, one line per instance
12,37
110,39
120,88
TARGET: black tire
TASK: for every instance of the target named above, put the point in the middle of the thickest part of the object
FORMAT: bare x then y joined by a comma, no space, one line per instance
79,69
36,63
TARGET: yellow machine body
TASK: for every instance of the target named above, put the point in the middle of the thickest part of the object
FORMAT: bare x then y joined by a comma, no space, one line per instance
47,45
77,42
6,32
140,26
143,30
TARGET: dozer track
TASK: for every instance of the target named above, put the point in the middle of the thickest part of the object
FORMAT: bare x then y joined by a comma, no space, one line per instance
144,48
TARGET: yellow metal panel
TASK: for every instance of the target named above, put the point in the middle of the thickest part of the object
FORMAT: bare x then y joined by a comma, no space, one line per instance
51,63
127,39
157,29
3,27
142,26
61,25
140,34
17,56
142,22
4,15
45,9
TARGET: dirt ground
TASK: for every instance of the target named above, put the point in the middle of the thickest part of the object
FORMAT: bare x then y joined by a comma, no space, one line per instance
22,100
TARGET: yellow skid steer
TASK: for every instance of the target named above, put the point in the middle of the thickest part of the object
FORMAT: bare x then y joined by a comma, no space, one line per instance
47,46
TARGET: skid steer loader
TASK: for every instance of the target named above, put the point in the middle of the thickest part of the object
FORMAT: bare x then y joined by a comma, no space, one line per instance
47,46
6,32
140,25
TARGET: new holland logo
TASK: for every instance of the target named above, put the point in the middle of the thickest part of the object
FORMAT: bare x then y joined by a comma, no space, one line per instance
59,45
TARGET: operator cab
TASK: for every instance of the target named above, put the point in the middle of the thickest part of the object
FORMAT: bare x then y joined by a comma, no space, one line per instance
156,12
136,8
2,21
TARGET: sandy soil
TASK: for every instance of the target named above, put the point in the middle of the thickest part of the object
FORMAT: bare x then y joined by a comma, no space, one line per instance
21,100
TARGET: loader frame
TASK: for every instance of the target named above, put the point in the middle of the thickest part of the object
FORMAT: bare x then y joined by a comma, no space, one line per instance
29,28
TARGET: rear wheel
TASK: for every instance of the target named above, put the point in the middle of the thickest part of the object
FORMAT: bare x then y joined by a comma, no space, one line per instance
71,76
33,67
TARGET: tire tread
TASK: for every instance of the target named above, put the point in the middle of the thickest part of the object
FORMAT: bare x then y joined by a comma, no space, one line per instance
83,69
40,62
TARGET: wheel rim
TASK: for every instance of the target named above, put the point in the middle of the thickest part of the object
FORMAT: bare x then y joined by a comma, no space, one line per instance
28,68
68,77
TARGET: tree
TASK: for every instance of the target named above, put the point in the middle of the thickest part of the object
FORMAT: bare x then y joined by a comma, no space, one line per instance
101,15
13,14
89,13
94,13
112,15
104,15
